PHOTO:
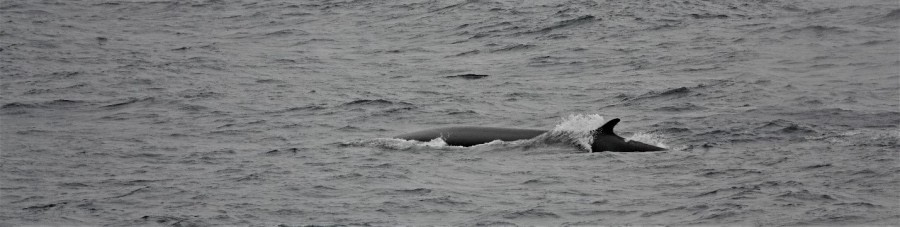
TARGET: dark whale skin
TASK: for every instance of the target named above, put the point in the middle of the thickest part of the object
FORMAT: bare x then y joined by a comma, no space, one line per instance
607,140
472,135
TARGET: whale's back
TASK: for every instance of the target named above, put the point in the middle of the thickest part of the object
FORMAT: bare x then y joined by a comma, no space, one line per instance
472,135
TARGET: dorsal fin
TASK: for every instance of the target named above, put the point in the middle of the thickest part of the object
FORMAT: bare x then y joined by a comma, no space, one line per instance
607,129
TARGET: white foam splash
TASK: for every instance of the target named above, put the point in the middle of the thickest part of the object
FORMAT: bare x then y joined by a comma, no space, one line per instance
648,138
577,129
399,144
436,142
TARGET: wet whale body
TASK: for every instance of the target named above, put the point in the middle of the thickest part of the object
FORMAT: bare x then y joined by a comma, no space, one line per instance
604,138
470,135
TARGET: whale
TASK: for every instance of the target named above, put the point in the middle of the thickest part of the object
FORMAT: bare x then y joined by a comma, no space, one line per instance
604,137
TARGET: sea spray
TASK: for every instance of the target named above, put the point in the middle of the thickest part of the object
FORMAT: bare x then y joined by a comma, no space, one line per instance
575,129
648,138
399,144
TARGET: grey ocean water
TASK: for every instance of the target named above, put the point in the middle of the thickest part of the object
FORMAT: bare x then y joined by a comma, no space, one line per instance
265,113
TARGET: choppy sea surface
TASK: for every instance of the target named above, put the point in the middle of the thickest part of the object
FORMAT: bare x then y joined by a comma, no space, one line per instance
266,113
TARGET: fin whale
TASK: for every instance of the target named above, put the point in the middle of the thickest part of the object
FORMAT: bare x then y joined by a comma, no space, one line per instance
604,138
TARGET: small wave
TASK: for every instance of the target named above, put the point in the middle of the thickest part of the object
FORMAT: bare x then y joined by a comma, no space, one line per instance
564,24
314,41
860,204
806,195
129,101
531,213
730,192
182,220
543,181
45,104
514,47
694,209
461,112
360,102
62,102
446,200
274,81
877,42
415,191
709,16
893,15
467,53
378,107
675,93
287,32
16,105
786,127
890,19
728,173
818,31
469,76
681,107
312,107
